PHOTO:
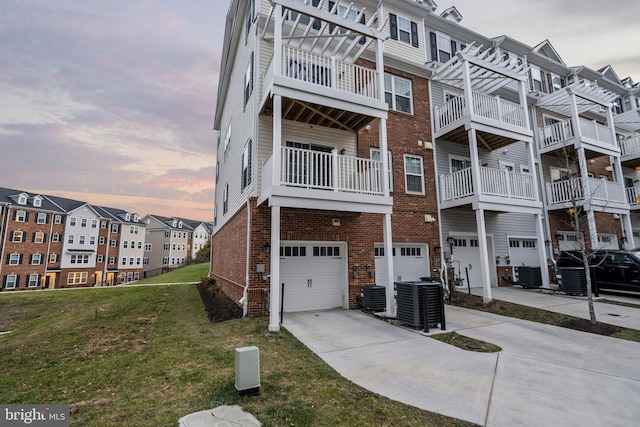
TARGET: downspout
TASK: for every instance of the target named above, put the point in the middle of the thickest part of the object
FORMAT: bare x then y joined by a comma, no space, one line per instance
245,293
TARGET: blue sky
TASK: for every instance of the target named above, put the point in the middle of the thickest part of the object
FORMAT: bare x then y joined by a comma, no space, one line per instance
112,102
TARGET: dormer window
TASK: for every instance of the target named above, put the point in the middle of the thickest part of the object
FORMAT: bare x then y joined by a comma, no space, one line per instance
22,199
127,217
37,201
175,223
135,218
180,224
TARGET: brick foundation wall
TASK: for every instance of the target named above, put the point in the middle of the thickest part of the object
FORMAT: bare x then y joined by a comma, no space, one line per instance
605,223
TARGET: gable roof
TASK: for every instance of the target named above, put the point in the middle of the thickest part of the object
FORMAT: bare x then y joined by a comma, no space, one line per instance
9,196
452,14
546,49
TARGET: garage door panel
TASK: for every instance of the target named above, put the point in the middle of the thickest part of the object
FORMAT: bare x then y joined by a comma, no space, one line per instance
410,263
523,251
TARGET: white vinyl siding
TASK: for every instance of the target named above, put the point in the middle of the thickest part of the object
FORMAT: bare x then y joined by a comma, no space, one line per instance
402,49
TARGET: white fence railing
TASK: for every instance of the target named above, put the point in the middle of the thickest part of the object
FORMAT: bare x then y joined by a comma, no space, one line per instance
328,72
330,171
556,133
632,195
594,130
572,190
493,182
630,146
488,106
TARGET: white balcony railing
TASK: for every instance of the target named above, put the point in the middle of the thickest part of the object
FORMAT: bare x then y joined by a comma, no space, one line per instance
556,133
490,107
630,146
328,72
330,171
493,182
573,190
632,195
596,131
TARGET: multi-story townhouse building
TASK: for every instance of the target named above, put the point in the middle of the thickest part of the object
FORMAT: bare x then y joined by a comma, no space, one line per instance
199,236
330,138
122,242
31,236
458,171
166,244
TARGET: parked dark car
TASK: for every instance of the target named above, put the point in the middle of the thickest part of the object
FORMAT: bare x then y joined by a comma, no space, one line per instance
614,269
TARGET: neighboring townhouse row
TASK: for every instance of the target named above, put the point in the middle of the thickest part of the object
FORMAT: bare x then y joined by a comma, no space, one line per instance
378,142
49,242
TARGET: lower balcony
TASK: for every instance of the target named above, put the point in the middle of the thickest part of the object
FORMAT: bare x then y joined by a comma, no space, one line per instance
630,148
633,197
599,194
498,190
325,180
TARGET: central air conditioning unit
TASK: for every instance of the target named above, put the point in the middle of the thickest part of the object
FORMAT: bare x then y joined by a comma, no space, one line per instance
374,298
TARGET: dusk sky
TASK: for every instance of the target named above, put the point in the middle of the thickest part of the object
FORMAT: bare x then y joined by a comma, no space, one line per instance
112,102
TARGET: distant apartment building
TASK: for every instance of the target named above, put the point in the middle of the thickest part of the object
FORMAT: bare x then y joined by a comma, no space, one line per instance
167,243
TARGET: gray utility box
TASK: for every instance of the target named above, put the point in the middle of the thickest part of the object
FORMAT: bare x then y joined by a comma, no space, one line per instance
420,304
528,277
573,281
248,371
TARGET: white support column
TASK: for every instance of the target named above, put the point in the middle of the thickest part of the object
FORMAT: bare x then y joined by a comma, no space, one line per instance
274,291
388,252
475,161
575,117
277,140
593,230
484,256
522,92
542,254
625,221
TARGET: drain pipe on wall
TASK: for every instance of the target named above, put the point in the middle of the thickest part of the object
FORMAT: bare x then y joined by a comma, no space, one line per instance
245,293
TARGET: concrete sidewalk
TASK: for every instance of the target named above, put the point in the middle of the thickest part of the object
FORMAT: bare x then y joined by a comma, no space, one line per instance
544,375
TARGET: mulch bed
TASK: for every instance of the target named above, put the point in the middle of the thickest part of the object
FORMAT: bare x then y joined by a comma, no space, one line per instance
585,325
218,306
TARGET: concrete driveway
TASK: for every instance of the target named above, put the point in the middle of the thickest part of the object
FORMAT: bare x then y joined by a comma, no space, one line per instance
544,375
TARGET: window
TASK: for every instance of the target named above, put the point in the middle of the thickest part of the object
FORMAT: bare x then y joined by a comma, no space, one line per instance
18,236
57,219
94,223
71,239
403,29
123,277
535,79
41,218
397,93
37,201
22,199
167,234
173,247
414,182
21,216
39,237
124,260
11,281
55,237
92,240
36,259
114,228
14,259
133,229
103,224
217,170
227,143
83,222
53,258
129,276
102,240
248,81
112,260
125,244
138,260
72,221
246,166
166,247
77,278
136,275
248,19
130,260
165,261
100,258
79,259
375,155
459,163
225,199
139,245
114,243
145,261
81,239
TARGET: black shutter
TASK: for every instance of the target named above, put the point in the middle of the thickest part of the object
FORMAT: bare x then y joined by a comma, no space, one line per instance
30,258
332,26
20,262
11,237
8,258
17,281
463,46
454,48
363,21
549,83
316,22
4,281
33,237
46,218
26,216
44,237
24,236
393,25
414,34
434,45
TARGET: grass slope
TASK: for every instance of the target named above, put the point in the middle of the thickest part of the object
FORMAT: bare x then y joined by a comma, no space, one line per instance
188,273
145,356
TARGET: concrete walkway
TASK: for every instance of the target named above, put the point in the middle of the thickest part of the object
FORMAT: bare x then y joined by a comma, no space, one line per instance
544,375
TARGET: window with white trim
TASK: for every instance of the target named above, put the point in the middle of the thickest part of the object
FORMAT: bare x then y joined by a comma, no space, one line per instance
41,218
114,228
112,260
100,258
94,223
72,221
535,79
414,174
71,238
55,237
33,280
36,259
133,229
53,258
77,278
225,199
113,243
18,236
246,165
81,239
92,240
83,222
38,237
11,281
21,216
227,143
403,29
102,240
103,224
248,81
398,93
57,219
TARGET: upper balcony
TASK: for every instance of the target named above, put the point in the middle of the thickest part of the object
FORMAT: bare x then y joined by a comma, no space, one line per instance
598,194
591,135
633,197
324,180
313,67
581,102
478,75
630,148
498,190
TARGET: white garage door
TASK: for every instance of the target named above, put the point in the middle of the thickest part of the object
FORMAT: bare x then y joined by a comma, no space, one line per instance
410,263
523,252
314,275
466,254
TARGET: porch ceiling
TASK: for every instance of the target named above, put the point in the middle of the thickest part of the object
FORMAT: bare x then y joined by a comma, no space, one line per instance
588,97
328,32
319,115
488,71
486,140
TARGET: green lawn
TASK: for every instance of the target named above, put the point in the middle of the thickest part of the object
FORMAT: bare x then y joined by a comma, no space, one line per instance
188,273
145,356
